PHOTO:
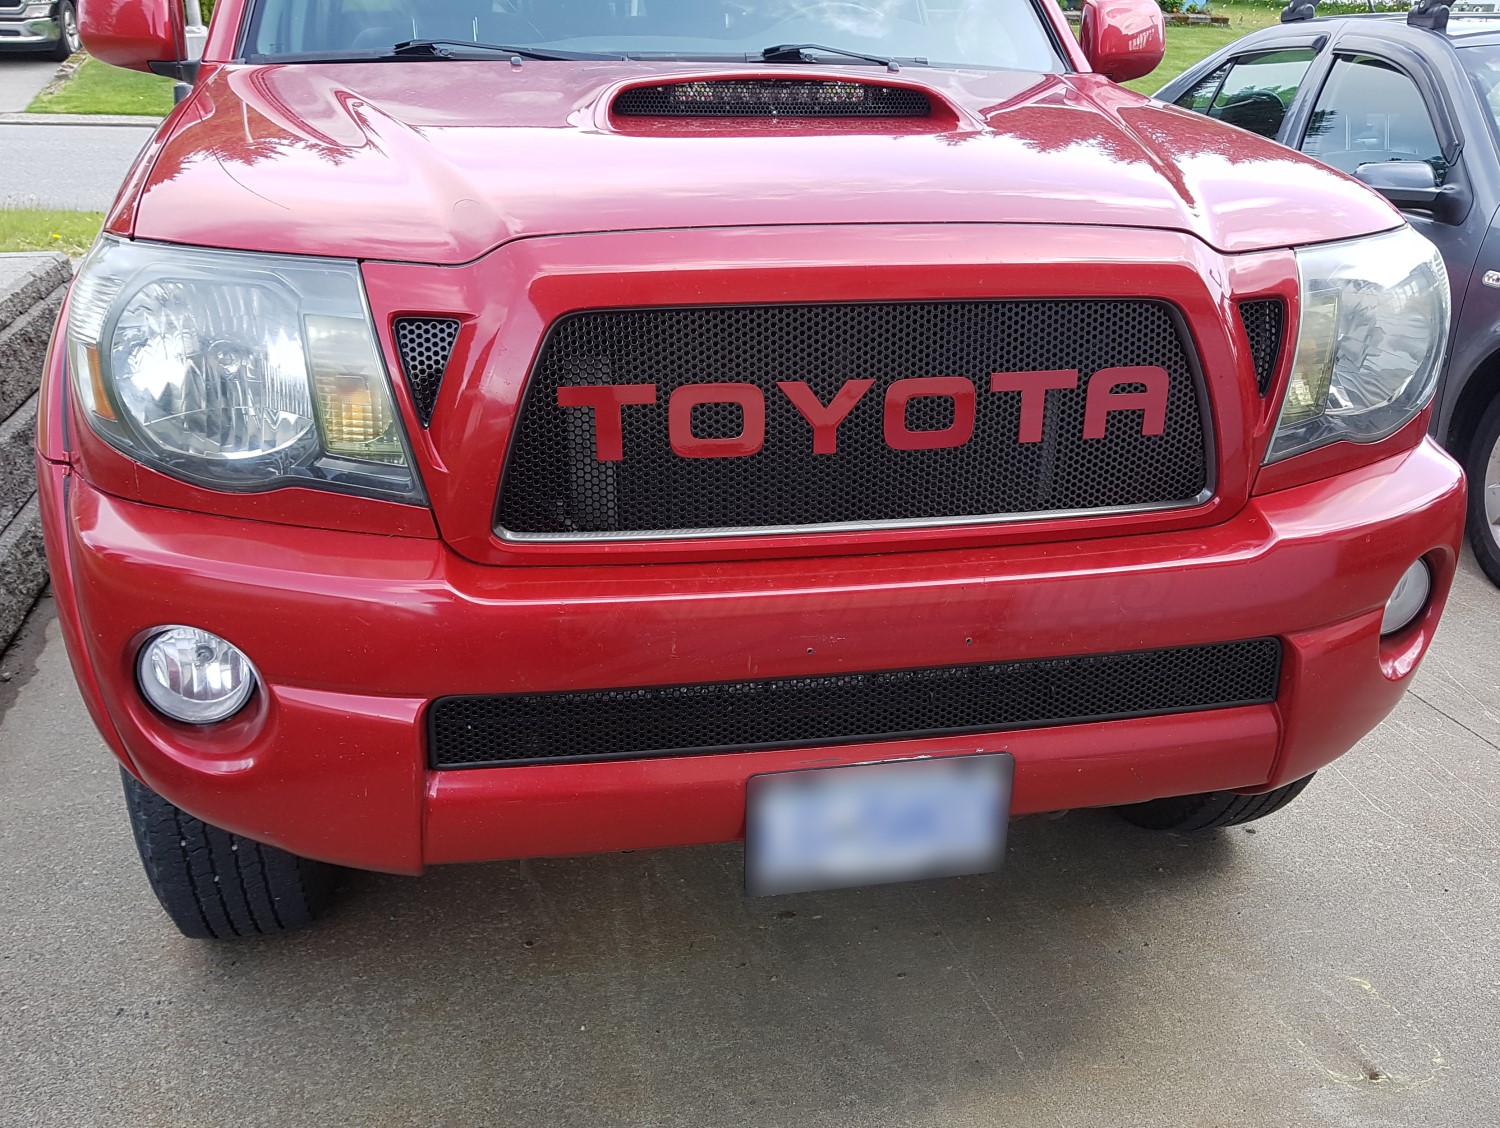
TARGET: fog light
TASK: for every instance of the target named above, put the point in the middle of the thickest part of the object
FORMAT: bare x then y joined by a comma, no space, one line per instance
1407,601
193,676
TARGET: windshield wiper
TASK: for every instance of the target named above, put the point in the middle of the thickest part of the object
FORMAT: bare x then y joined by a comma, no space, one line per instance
807,52
454,48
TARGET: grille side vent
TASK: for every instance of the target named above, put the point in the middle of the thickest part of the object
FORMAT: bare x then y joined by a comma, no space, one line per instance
773,97
425,345
1265,325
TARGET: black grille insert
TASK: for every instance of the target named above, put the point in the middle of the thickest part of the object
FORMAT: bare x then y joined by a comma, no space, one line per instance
557,484
425,345
772,98
847,708
1265,324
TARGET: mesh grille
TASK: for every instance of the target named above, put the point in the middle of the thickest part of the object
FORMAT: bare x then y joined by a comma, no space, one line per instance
554,483
772,98
425,344
848,708
1264,321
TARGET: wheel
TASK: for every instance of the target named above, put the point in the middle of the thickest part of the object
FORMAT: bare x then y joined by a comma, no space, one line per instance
69,42
1210,810
1483,468
216,885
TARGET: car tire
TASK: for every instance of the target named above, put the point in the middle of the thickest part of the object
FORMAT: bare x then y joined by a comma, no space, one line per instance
69,42
219,886
1210,810
1483,469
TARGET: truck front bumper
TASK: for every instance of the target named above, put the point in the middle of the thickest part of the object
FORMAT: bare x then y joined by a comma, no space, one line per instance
28,33
355,635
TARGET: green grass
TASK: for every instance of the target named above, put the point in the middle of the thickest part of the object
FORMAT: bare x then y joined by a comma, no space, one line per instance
33,229
1187,45
98,88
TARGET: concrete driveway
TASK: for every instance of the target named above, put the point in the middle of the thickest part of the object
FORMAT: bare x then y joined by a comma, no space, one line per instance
21,80
1334,965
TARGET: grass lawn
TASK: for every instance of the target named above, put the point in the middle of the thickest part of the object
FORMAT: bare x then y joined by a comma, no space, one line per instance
33,229
98,88
1186,45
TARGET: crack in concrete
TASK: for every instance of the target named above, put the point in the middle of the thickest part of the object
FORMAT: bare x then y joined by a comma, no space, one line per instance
1440,711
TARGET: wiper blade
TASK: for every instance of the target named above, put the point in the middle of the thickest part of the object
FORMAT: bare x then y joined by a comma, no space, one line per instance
454,48
807,52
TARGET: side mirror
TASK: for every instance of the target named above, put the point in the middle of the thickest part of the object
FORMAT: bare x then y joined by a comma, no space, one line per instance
1413,186
1123,39
143,35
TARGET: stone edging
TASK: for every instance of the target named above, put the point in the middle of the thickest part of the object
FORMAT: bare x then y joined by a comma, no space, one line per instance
31,292
80,119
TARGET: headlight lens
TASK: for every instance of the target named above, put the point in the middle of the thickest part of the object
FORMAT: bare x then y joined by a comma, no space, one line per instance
236,371
1371,341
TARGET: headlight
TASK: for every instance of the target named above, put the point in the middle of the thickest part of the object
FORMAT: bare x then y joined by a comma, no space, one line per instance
236,371
1370,345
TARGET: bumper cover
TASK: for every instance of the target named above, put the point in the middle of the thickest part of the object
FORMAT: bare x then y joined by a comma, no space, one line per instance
28,33
356,634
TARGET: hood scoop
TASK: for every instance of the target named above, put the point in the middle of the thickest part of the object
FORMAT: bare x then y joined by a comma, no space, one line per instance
772,98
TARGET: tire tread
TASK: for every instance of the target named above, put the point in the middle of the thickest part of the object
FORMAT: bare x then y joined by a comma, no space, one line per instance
1211,810
1476,462
216,885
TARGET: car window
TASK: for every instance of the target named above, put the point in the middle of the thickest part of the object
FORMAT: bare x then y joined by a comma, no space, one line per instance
1483,64
1201,96
1252,91
1369,111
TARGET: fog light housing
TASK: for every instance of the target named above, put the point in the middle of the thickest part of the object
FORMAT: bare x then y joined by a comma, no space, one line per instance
194,676
1407,601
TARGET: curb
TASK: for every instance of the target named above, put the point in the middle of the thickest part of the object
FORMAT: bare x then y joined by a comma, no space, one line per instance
81,119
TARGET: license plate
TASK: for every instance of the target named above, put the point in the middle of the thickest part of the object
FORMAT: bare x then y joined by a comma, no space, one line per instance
868,824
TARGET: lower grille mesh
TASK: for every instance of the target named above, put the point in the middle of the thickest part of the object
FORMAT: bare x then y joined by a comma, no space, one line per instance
712,717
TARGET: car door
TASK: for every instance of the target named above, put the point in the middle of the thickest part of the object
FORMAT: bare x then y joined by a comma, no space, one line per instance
1379,103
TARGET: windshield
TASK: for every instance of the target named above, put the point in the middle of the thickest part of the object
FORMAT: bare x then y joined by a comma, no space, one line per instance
985,33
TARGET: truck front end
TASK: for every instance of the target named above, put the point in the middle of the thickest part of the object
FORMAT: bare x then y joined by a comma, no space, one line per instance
482,492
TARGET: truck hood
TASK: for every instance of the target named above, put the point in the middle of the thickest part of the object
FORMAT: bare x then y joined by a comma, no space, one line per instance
439,162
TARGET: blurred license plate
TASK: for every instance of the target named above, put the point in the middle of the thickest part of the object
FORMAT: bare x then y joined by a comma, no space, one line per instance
865,824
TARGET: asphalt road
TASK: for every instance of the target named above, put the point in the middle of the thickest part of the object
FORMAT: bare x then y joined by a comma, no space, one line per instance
1332,966
21,80
66,166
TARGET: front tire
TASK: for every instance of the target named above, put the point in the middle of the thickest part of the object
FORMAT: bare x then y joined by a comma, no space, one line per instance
69,41
1483,469
1210,810
219,886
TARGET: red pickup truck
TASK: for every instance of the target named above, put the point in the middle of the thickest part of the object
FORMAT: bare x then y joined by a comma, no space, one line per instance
505,429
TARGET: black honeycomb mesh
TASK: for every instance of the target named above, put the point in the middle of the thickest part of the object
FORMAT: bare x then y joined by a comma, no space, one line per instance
847,708
425,344
1265,323
772,98
554,484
